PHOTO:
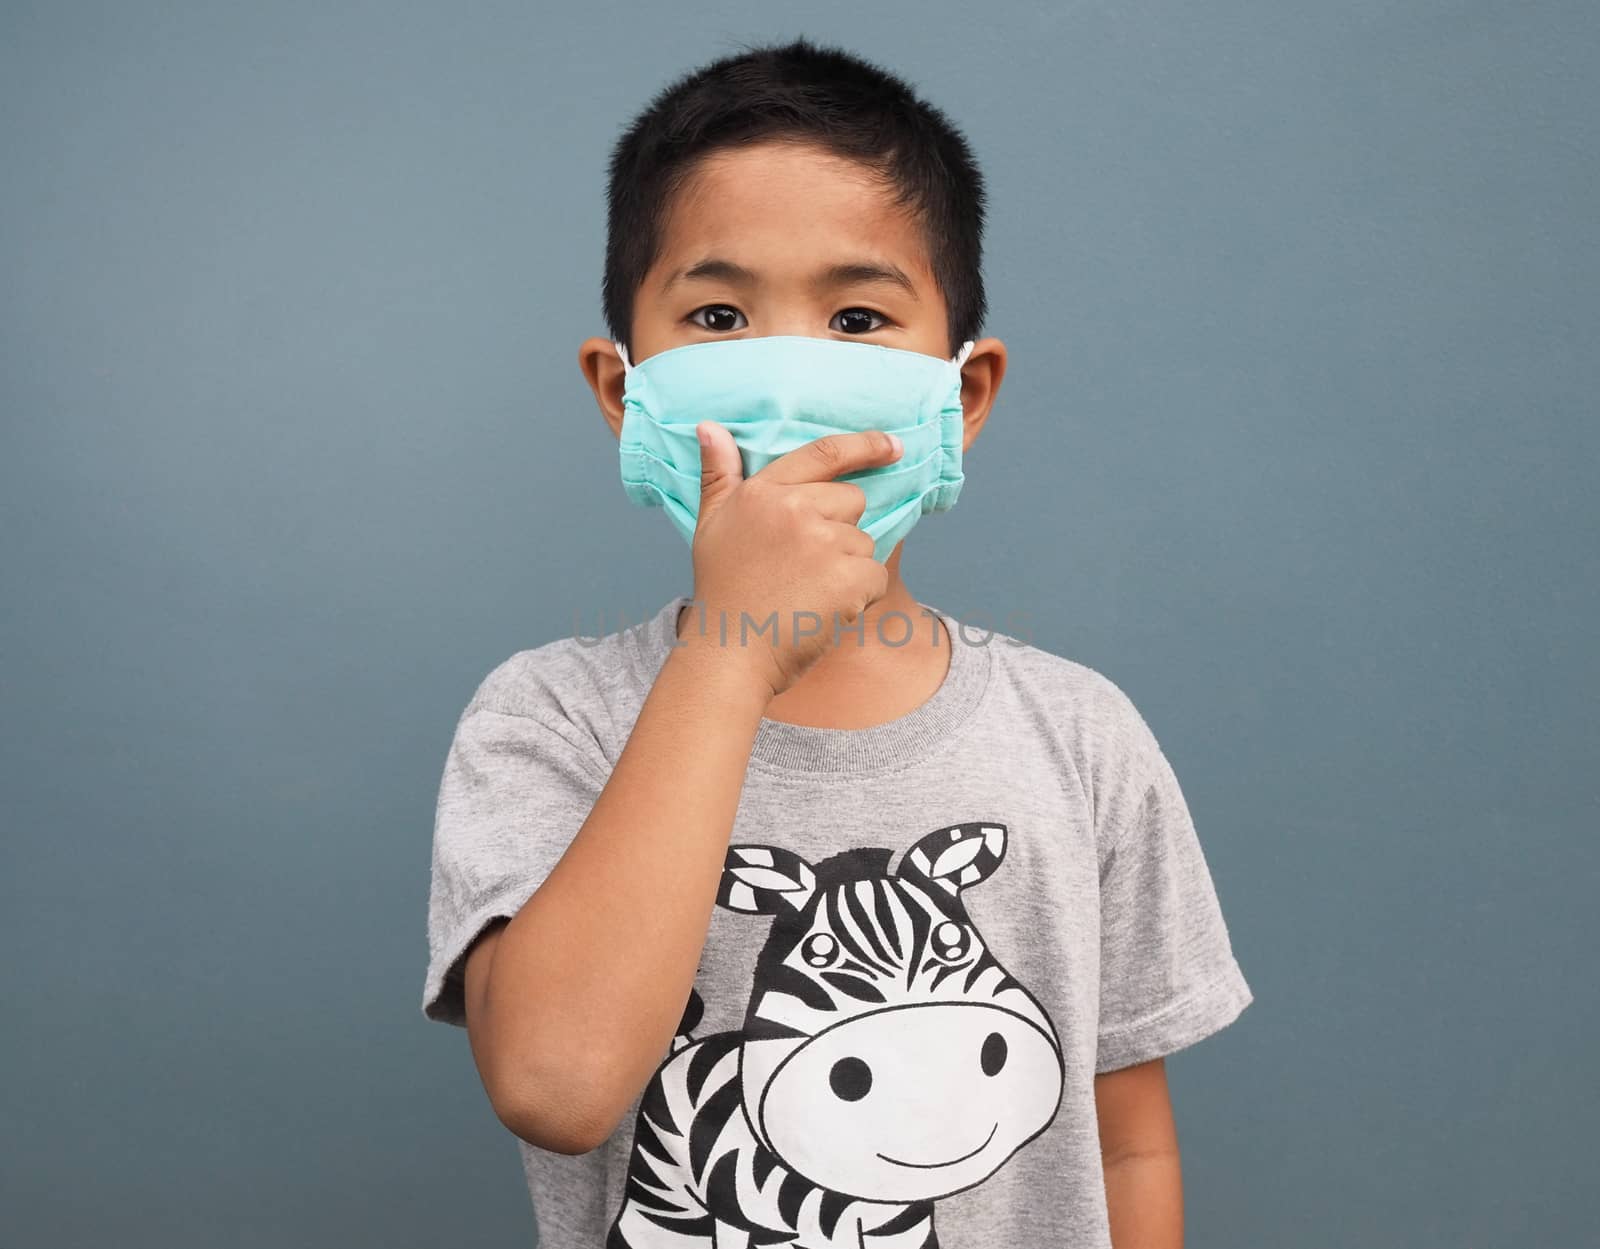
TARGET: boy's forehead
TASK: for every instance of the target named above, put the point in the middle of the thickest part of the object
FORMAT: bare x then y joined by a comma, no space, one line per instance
788,211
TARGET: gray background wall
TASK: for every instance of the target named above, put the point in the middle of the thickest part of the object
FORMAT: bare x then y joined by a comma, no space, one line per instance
1298,446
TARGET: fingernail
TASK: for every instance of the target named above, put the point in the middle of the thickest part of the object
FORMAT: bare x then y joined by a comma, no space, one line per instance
703,434
895,442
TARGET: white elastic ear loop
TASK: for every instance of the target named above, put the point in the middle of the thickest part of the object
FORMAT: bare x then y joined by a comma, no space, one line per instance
966,350
623,352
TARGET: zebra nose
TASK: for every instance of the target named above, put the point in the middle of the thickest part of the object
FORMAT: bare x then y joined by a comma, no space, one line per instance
850,1078
994,1053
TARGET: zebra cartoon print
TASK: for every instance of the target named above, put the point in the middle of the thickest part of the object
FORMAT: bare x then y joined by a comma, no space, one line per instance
887,1059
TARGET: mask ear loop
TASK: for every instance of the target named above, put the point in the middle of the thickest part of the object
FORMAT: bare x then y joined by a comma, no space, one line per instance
966,350
623,352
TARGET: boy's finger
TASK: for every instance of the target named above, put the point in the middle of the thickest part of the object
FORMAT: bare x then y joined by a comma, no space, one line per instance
837,500
826,458
720,467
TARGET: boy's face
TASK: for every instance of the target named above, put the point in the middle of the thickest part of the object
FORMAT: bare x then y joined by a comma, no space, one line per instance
785,238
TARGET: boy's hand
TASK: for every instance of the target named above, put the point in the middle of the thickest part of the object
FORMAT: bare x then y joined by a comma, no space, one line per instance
783,543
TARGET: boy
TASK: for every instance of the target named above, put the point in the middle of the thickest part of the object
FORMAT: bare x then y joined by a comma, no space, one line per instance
797,916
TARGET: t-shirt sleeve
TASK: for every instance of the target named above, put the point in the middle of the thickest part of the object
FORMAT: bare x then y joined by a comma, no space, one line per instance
515,792
1168,976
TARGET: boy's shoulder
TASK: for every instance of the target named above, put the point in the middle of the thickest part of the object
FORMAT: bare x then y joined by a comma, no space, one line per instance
1030,662
1060,679
568,678
1076,700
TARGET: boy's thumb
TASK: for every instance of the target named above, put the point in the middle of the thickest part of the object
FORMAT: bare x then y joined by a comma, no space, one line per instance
720,467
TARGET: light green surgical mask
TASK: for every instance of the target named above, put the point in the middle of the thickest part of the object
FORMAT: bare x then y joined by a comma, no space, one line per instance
779,392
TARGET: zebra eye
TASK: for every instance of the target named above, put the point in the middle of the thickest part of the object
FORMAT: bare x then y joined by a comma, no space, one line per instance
950,941
819,949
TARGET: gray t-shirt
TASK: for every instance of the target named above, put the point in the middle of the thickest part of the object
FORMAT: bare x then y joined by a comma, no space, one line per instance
930,936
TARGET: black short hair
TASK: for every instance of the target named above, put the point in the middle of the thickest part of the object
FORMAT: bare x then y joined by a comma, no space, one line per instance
797,91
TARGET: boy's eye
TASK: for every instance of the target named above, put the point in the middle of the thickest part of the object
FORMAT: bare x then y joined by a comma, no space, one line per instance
852,319
721,312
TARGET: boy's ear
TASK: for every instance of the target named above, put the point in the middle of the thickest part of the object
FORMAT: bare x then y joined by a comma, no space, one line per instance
602,369
980,383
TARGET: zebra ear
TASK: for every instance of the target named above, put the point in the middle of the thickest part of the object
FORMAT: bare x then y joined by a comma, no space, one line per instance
953,858
765,880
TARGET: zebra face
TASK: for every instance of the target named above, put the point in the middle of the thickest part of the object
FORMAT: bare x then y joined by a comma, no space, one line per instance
887,1054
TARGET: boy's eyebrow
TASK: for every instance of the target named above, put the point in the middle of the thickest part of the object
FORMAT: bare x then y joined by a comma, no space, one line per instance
717,269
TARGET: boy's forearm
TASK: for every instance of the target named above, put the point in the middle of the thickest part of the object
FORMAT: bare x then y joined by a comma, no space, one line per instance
1144,1198
591,976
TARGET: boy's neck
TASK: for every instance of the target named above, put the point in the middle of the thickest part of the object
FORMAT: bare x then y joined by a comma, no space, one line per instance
865,680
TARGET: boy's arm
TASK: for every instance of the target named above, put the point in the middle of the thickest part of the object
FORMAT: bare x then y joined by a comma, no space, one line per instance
571,1005
1139,1152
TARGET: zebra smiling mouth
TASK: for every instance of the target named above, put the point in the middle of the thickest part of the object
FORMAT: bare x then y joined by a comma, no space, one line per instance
949,1161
